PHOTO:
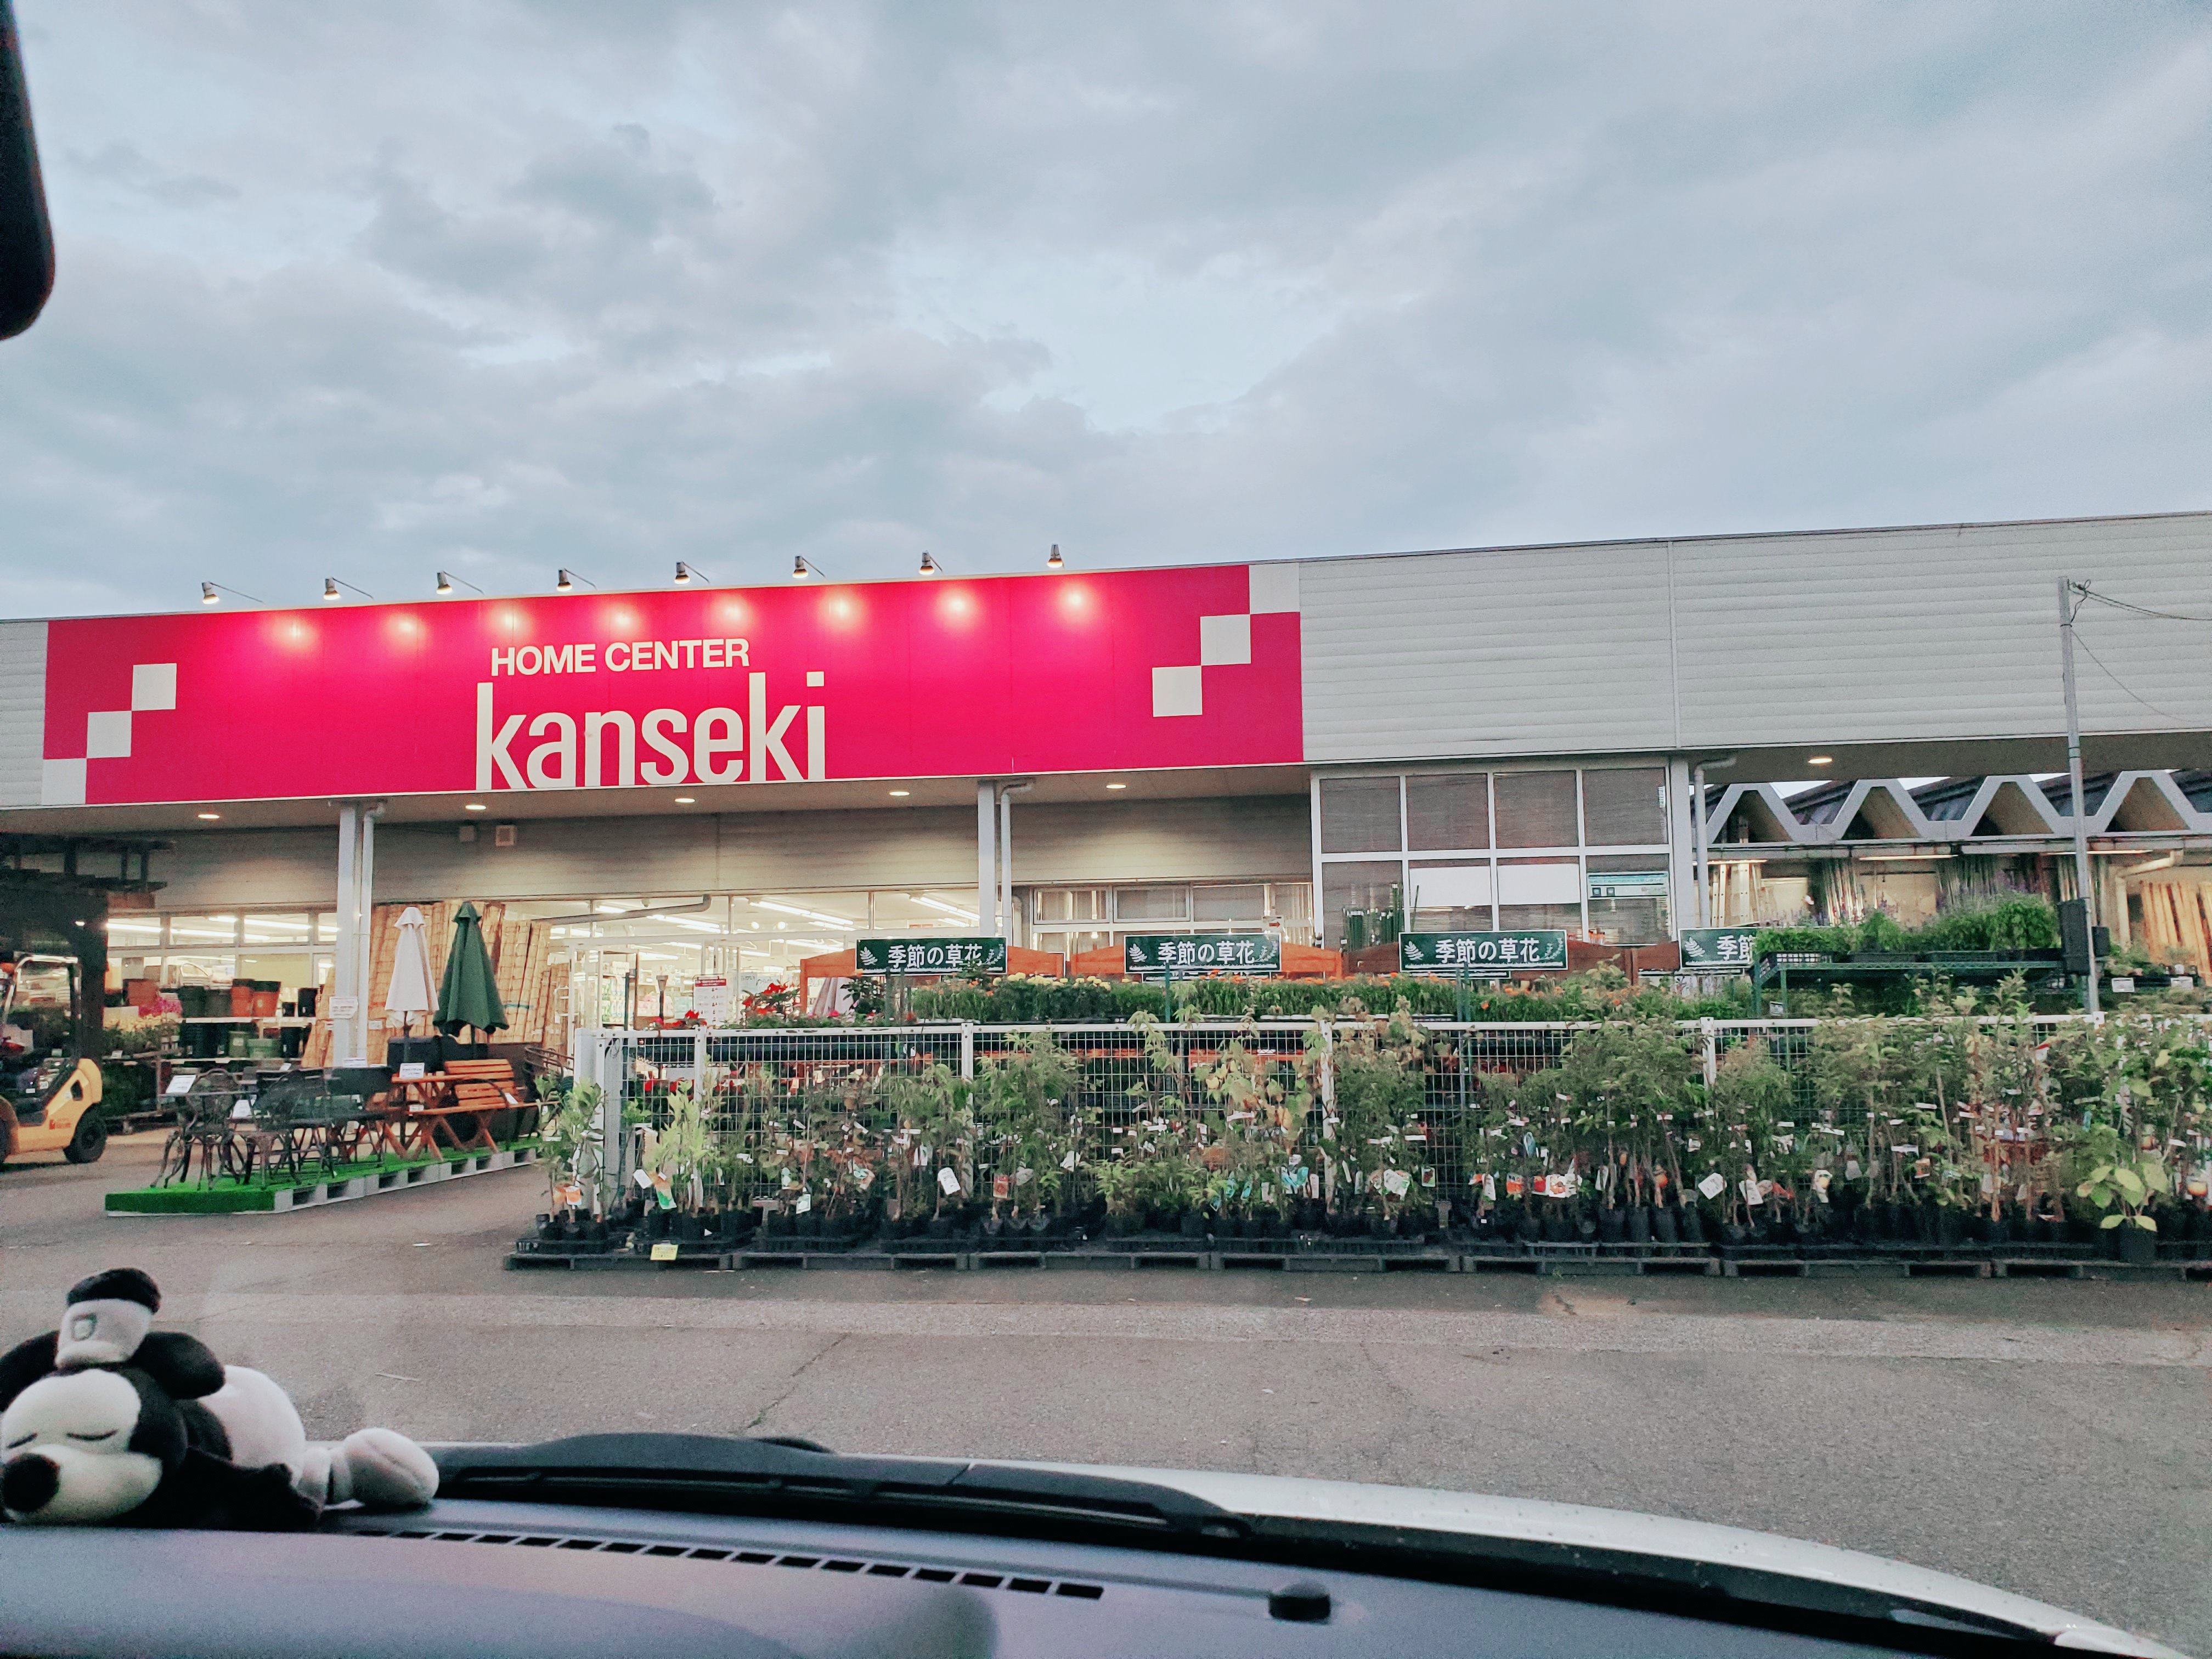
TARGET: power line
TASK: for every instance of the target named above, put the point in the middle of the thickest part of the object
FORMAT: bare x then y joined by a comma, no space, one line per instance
2140,609
2178,719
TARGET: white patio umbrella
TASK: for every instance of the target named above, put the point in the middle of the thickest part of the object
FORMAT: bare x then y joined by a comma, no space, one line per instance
411,993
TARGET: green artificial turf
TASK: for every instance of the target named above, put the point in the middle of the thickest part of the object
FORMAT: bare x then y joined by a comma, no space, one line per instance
225,1196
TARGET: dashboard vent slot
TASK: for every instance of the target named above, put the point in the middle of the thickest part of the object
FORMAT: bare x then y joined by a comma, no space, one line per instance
1072,1589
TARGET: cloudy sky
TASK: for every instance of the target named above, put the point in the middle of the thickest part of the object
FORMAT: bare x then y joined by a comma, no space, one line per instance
366,291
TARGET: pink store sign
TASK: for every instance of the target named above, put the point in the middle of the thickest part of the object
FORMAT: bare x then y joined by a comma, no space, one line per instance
1070,673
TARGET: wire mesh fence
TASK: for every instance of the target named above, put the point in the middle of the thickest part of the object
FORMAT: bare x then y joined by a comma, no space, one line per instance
896,1121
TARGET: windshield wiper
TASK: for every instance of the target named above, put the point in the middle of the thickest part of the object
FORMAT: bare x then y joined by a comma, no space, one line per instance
785,1476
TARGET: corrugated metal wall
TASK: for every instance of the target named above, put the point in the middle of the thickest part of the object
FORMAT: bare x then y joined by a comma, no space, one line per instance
22,710
1838,637
1253,837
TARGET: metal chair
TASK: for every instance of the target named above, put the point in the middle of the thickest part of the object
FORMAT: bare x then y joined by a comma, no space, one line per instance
204,1132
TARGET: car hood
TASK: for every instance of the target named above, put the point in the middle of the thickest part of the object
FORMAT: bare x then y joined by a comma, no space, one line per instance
1628,1532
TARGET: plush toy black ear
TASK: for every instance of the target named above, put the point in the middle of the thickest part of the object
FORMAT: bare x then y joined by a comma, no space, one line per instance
182,1365
25,1364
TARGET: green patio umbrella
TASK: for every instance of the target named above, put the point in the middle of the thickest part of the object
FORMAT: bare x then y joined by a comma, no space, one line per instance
468,996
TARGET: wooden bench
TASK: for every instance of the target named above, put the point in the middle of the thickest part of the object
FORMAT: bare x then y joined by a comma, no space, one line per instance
473,1089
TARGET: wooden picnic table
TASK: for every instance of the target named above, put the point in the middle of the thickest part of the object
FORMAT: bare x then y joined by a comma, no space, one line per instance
416,1111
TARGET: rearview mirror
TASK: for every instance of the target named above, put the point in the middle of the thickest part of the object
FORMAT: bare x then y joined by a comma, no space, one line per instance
26,241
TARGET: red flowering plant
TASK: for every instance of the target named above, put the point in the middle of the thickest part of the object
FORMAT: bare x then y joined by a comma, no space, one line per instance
773,1001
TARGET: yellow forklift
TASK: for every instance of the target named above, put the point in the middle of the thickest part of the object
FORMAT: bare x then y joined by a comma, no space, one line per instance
48,1085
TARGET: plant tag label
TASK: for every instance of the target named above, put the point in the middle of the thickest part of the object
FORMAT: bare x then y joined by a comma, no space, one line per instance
1513,1187
1068,1163
802,1204
1002,1187
643,1177
1851,1170
864,1177
1753,1197
948,1183
1428,1175
569,1196
663,1253
662,1197
1394,1182
1712,1184
411,1071
1024,1176
1821,1180
1490,1189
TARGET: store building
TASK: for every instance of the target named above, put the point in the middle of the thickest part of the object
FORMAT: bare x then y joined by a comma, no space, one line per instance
658,787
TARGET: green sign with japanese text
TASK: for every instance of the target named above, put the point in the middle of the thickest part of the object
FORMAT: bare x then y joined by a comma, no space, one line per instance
1718,950
926,954
1484,956
1151,955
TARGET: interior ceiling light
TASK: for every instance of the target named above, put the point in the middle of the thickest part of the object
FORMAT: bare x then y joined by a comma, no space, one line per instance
901,791
475,807
811,915
1052,560
1117,786
952,910
1820,760
211,817
687,800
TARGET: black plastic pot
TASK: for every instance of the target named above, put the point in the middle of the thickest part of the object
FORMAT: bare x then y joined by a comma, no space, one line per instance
1611,1225
940,1226
1557,1230
1193,1225
548,1228
1734,1233
2138,1249
1639,1224
656,1224
1693,1226
1527,1230
1378,1226
1950,1226
1663,1223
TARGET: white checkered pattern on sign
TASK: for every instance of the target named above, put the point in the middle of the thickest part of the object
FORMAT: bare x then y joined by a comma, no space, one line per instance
107,734
1224,641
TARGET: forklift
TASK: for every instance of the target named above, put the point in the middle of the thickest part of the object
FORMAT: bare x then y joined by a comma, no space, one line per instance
49,1086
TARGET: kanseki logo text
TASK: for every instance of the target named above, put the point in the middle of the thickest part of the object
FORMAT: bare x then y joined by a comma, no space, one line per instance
615,749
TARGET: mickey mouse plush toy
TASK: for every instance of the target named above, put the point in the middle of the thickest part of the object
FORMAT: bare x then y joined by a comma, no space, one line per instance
109,1421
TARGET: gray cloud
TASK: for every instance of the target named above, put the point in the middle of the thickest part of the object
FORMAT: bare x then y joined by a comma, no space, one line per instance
500,287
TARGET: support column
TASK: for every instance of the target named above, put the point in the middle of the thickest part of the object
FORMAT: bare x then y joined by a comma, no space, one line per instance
1681,862
345,984
1007,864
365,880
987,859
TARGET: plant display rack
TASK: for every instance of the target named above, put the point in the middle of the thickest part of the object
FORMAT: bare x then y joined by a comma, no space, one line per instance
1983,1142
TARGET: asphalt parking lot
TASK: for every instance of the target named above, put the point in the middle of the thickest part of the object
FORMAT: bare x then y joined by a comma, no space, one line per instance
2044,1437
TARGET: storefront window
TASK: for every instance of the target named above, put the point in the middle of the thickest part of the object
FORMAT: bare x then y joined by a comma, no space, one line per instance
1248,903
1151,904
1359,815
1365,887
1447,898
1448,811
1628,899
1625,807
1536,808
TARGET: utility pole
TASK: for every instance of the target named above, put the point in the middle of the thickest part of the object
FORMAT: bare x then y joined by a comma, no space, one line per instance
2068,588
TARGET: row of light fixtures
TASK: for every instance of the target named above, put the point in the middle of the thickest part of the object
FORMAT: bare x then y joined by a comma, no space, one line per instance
686,574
